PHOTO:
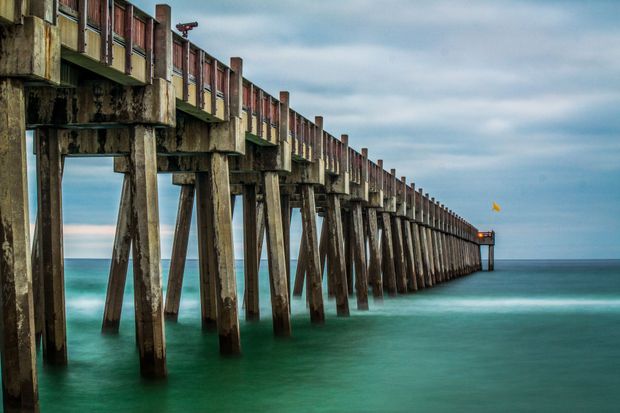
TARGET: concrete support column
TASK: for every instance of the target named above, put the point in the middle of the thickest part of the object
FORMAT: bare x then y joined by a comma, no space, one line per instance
335,255
374,266
417,247
313,261
120,262
278,278
348,251
250,253
146,253
412,282
222,254
389,271
49,180
204,218
359,252
19,375
431,256
491,257
428,267
399,255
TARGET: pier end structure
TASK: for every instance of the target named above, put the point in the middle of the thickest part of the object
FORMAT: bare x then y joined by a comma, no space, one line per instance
488,238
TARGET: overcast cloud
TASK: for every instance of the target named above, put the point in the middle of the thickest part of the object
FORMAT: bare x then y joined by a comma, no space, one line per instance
516,102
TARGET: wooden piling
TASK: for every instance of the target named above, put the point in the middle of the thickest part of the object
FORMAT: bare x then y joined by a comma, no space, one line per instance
359,252
223,254
179,252
313,279
49,179
19,375
146,253
250,253
335,255
120,262
278,278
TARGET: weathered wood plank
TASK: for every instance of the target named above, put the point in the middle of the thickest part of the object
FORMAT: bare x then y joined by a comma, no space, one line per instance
179,252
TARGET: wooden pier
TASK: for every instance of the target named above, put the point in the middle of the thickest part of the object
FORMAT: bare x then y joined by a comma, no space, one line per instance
103,78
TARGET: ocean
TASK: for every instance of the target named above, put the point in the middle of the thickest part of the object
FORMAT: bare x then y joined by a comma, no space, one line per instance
533,336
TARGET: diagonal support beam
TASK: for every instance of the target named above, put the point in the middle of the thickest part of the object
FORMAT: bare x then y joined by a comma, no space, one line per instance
179,252
313,262
120,262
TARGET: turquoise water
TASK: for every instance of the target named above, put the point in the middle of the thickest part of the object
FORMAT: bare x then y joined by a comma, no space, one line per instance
532,336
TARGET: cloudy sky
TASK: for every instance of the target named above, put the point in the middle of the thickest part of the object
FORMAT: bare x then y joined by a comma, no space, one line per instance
516,102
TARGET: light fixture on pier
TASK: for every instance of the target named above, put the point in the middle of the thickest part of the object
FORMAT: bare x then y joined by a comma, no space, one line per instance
185,28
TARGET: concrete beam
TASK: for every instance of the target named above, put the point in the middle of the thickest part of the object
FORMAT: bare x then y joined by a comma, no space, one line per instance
30,50
102,103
